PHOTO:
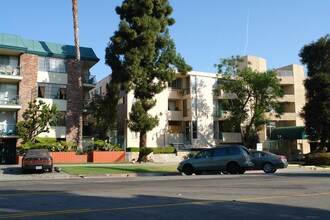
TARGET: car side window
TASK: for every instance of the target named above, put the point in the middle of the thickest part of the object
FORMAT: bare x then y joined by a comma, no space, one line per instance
219,152
233,151
204,154
256,154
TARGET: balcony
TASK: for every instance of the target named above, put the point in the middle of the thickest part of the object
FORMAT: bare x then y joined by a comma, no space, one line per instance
10,102
9,74
89,79
286,80
175,115
8,130
228,137
287,98
289,116
175,93
222,114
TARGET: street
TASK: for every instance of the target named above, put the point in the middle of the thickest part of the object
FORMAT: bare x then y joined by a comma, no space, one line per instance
292,193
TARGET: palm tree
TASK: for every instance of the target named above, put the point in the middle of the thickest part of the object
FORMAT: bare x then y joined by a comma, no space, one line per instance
78,73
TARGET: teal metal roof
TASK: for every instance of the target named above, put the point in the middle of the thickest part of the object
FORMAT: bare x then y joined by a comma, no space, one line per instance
15,42
289,133
11,41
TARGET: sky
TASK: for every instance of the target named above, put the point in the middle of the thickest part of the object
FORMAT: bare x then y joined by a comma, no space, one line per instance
205,30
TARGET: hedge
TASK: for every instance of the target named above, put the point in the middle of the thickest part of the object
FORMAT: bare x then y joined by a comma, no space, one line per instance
132,149
317,159
164,150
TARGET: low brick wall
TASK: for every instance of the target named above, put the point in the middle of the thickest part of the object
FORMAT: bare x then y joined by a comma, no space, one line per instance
107,156
95,156
68,157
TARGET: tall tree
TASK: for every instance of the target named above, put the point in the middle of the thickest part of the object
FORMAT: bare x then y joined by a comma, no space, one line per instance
77,102
143,58
37,119
316,112
252,94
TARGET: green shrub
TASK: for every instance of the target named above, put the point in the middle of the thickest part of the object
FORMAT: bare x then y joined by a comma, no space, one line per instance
164,150
317,159
145,151
101,145
132,149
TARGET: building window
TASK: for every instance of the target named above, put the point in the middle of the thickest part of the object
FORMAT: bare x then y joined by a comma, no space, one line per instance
194,127
62,119
51,91
4,60
176,84
52,64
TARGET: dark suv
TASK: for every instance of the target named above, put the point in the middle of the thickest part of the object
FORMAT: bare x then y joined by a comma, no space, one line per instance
233,159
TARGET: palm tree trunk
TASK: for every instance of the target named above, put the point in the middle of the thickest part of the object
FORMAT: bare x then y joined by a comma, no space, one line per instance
78,71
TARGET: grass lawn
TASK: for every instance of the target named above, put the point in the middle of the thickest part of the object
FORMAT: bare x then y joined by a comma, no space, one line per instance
79,170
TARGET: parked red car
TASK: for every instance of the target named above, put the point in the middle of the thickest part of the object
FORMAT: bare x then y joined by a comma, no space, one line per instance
37,160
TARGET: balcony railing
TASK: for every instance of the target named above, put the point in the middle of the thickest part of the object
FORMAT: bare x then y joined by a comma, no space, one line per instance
7,130
9,70
90,79
10,100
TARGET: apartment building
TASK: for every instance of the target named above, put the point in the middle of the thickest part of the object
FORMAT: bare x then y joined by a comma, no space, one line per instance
33,69
190,113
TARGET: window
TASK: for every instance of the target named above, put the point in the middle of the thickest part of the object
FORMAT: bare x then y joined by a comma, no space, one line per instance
4,60
219,152
233,151
205,154
52,91
176,84
194,124
52,64
62,119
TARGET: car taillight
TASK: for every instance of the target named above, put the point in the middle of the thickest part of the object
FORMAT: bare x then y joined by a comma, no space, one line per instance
283,158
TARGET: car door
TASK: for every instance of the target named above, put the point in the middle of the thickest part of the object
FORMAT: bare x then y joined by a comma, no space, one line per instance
220,158
203,160
257,159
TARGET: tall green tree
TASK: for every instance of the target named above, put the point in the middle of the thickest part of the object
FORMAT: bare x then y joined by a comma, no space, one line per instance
143,58
316,112
252,94
37,119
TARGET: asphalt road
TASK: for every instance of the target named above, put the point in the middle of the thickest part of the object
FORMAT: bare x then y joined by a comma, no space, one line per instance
292,193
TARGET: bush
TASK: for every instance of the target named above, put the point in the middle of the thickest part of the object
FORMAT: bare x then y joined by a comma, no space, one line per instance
317,159
101,145
164,150
132,149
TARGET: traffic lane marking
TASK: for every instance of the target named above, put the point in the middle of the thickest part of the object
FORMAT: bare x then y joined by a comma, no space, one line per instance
75,211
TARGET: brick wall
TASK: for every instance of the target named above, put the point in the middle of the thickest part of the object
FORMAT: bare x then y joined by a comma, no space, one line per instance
28,86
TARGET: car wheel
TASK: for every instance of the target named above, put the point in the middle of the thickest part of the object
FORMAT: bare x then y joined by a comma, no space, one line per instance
188,169
268,168
233,168
241,171
274,170
24,171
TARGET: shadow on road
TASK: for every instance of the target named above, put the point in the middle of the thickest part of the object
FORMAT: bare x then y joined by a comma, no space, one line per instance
65,205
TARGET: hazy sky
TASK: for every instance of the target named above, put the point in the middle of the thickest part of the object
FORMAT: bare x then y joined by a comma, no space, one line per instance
205,30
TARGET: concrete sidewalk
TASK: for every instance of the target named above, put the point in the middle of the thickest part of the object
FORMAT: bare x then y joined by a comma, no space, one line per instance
14,172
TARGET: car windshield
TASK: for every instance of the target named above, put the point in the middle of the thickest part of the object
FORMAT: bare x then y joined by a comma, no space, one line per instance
37,153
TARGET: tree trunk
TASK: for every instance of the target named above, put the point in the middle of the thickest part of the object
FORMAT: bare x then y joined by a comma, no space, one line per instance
78,69
143,143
